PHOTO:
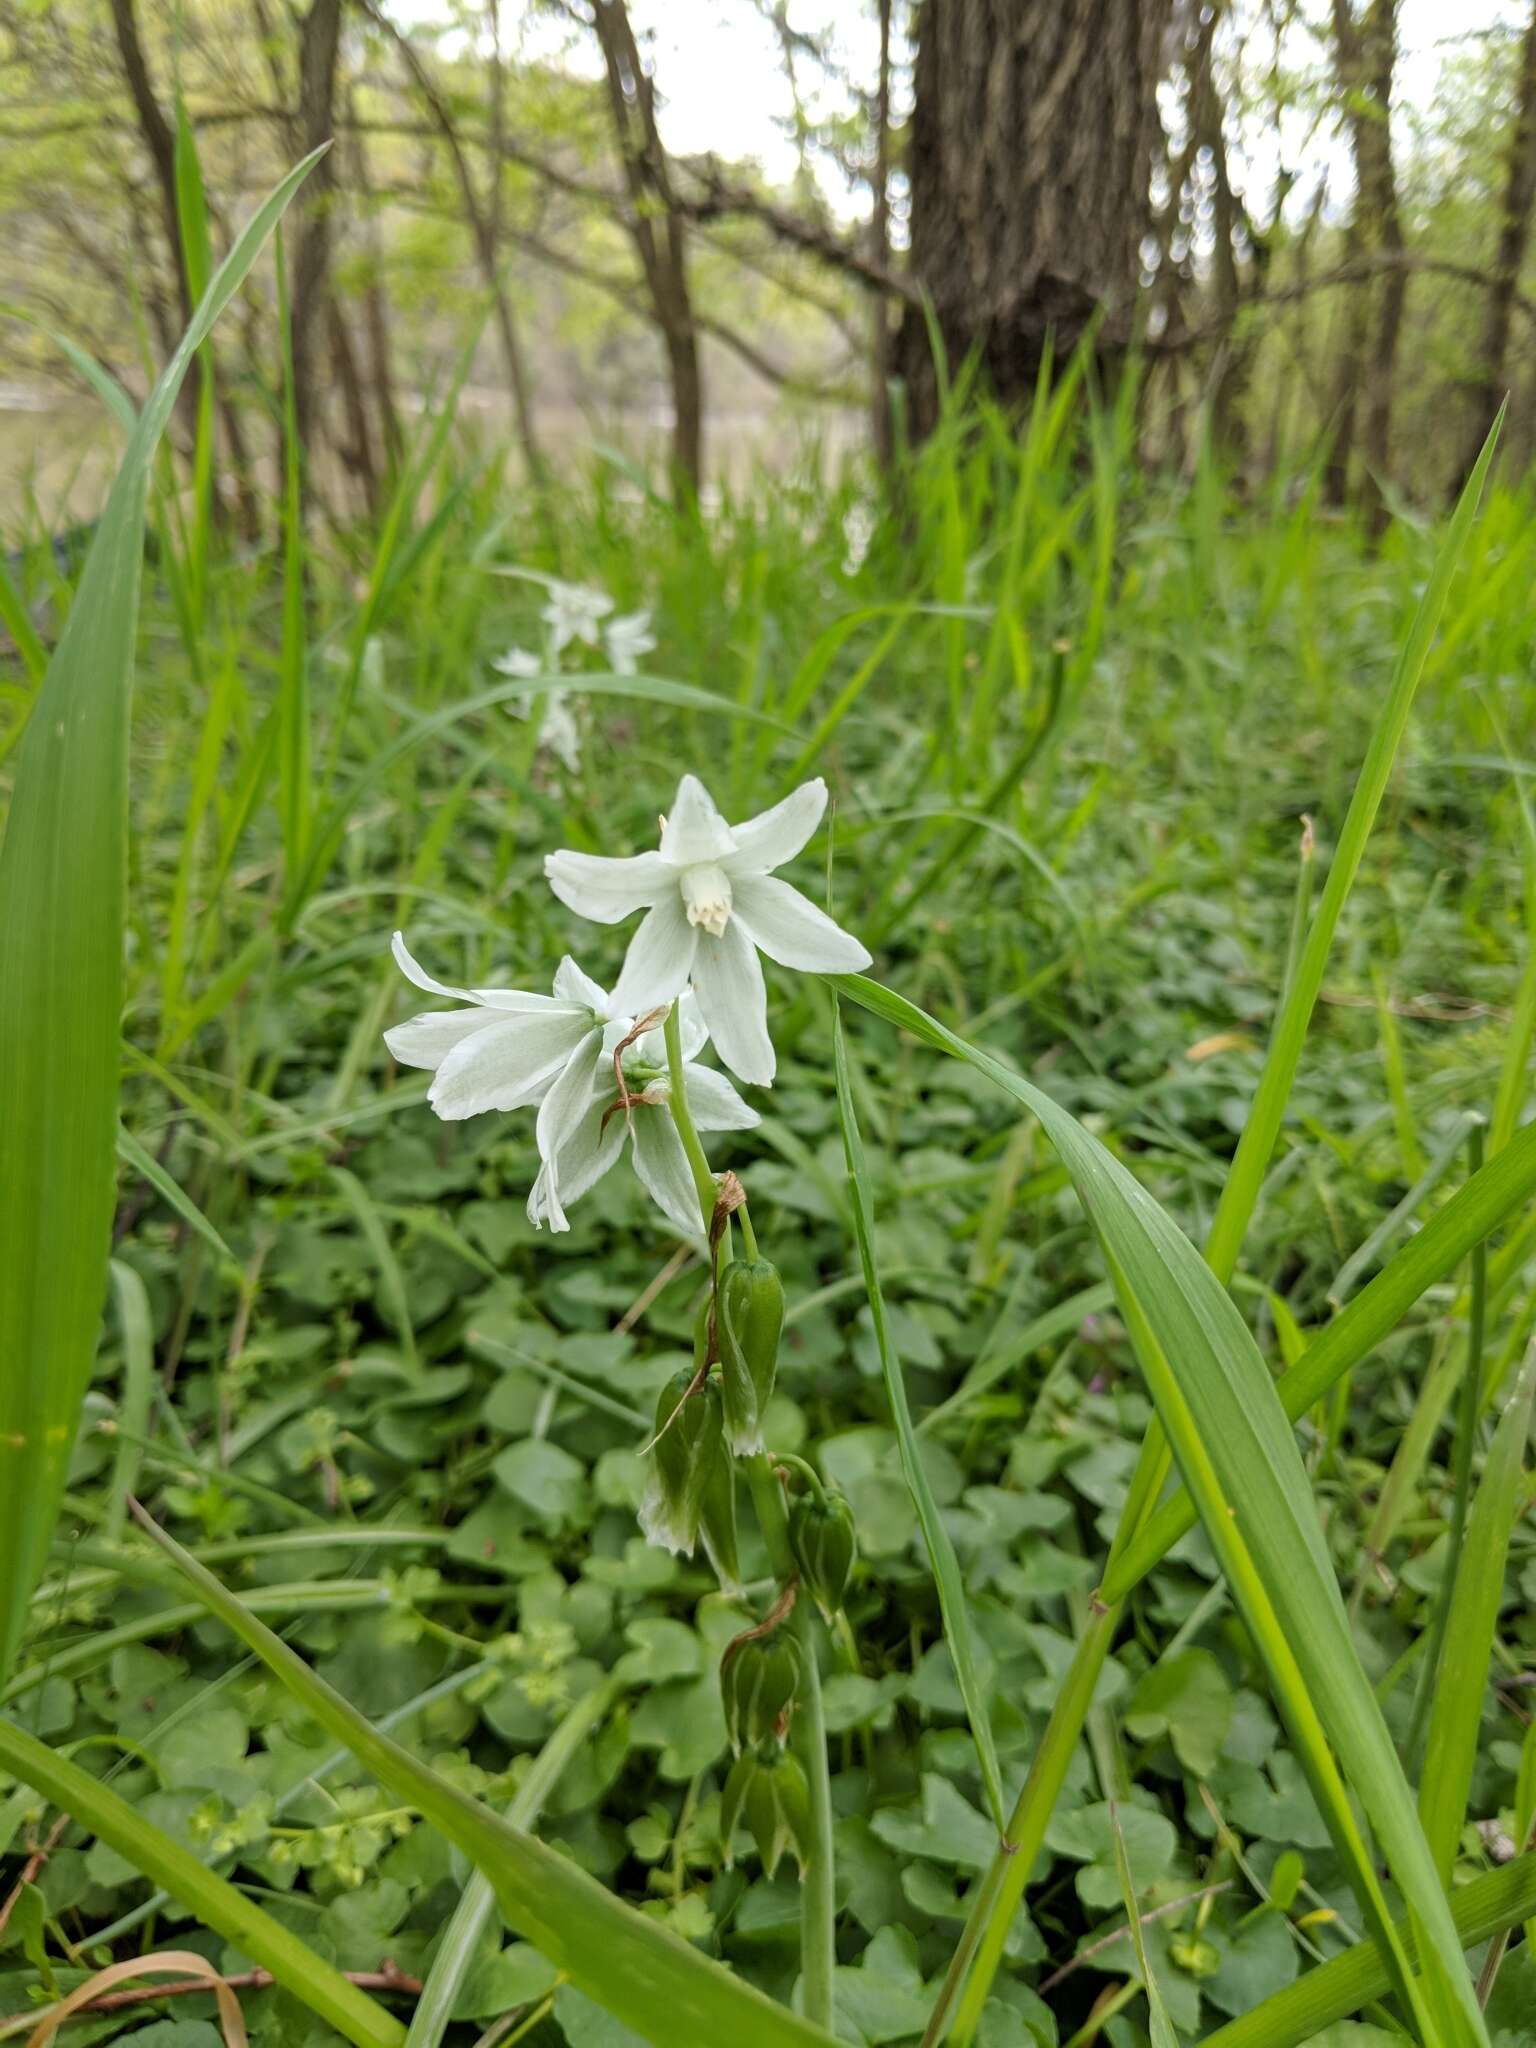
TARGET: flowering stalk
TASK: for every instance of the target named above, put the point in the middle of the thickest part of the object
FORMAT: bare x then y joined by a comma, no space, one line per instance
818,1900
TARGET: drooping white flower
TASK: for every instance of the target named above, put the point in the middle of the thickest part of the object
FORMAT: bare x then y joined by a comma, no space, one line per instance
586,1120
711,903
627,638
574,612
513,1050
559,733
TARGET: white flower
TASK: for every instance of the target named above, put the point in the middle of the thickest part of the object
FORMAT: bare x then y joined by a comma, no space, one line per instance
711,903
627,638
574,613
559,732
858,532
519,661
512,1050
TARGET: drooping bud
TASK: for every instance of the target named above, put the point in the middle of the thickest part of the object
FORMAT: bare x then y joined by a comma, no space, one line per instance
822,1540
759,1678
685,1452
749,1319
777,1809
717,1519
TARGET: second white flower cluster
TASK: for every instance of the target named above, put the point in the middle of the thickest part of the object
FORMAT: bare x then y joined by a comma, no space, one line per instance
594,1064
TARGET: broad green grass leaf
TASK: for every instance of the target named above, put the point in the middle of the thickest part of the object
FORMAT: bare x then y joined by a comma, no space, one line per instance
62,897
1234,1445
634,1968
354,2015
1498,1900
1461,1681
942,1561
1495,1192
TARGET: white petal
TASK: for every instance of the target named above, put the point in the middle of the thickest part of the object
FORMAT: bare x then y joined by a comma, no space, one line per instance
608,890
572,986
729,981
662,1166
692,1031
412,969
508,1064
659,960
791,930
492,998
588,1151
715,1104
427,1040
560,1115
695,830
775,836
518,661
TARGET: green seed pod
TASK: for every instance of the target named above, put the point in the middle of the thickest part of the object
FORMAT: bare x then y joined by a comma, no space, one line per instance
688,1446
758,1682
734,1798
717,1521
822,1540
749,1317
777,1809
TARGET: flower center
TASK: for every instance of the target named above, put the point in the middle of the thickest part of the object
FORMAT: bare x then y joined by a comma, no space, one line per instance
707,898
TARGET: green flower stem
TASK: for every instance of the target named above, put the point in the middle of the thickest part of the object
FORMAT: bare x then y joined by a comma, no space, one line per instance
682,1116
818,1896
807,1472
818,1901
212,1899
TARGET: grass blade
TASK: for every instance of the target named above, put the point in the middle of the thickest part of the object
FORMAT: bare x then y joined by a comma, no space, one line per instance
62,899
1498,1900
1461,1681
942,1560
477,1902
357,2017
1251,1161
1498,1190
1234,1445
138,1331
170,1191
639,1971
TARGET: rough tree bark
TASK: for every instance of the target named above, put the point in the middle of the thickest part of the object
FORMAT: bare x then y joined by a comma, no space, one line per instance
319,43
1366,52
160,141
658,228
1029,153
880,241
1487,389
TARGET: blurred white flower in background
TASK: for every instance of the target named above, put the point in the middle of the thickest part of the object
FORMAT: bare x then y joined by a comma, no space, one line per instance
519,661
858,532
574,612
711,903
627,638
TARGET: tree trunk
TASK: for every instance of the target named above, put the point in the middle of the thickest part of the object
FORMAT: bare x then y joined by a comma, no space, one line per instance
880,238
319,40
160,141
483,232
1365,54
1487,389
657,227
1030,146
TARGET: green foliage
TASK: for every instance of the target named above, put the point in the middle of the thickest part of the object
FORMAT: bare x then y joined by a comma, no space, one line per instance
406,1429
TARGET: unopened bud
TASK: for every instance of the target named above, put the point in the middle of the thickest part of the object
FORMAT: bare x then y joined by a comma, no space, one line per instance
759,1678
822,1540
749,1318
717,1520
685,1451
767,1791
